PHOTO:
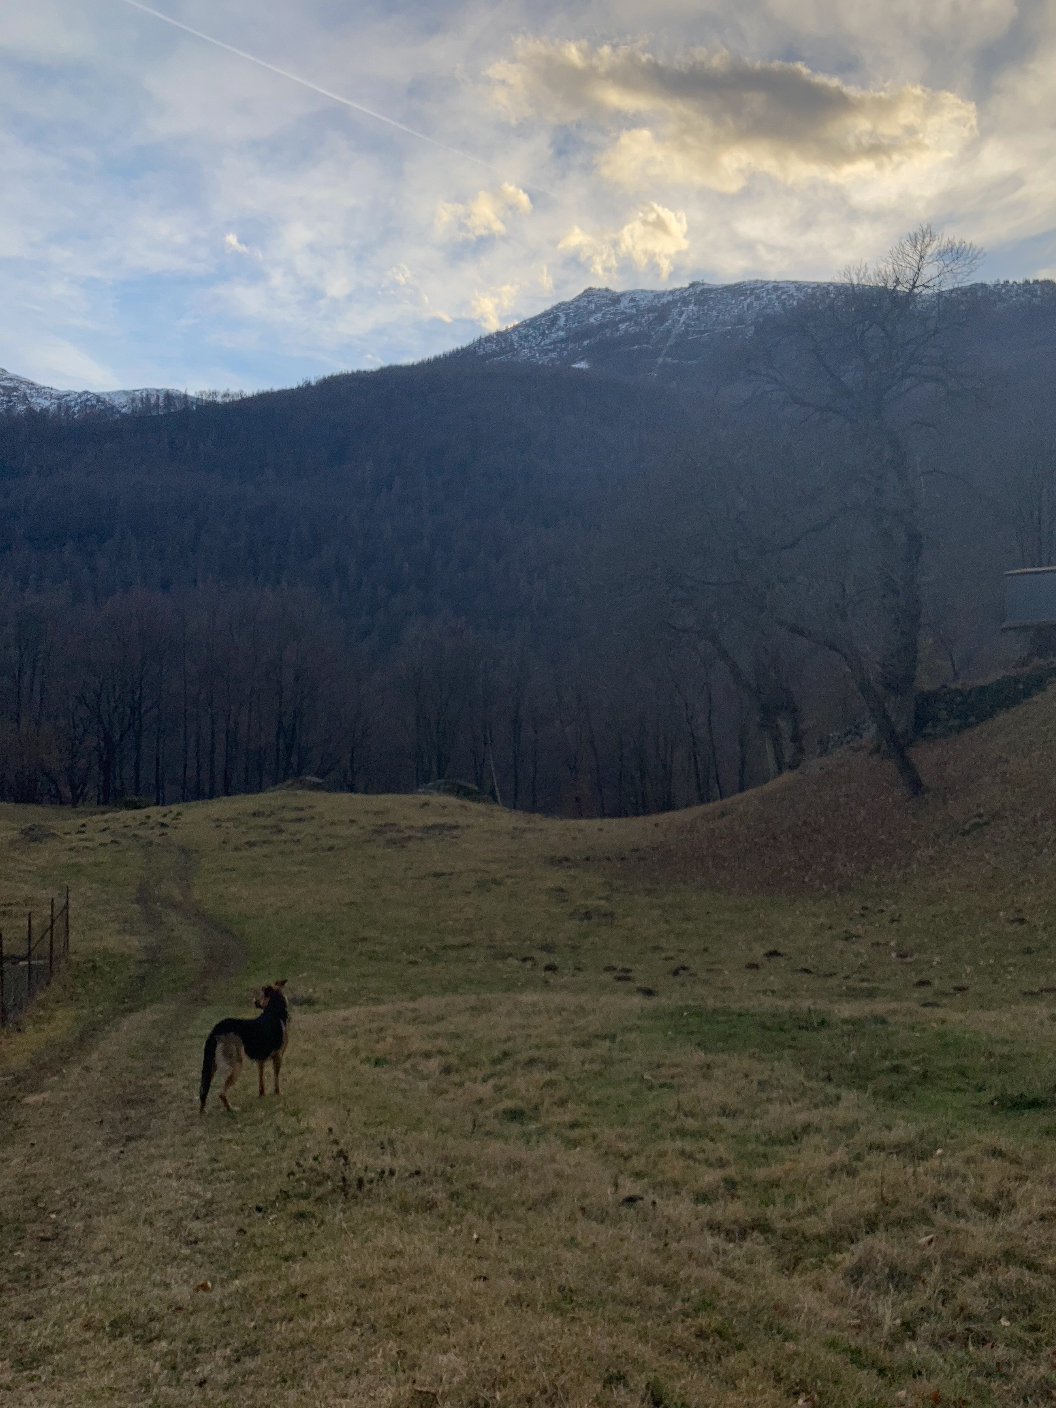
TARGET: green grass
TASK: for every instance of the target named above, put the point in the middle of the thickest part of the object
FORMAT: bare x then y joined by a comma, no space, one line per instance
552,1131
933,1071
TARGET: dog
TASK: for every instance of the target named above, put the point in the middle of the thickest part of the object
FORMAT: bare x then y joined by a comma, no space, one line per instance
260,1038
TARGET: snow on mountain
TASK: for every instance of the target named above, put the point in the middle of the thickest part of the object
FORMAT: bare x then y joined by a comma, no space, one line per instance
671,333
18,394
638,331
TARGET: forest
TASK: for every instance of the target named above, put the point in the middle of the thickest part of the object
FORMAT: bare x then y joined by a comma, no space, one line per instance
585,593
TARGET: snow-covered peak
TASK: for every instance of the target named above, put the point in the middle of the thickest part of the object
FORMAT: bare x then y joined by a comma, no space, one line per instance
639,330
671,333
19,394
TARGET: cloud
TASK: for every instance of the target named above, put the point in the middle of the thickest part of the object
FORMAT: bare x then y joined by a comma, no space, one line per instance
486,307
123,141
400,279
231,242
483,214
652,237
713,119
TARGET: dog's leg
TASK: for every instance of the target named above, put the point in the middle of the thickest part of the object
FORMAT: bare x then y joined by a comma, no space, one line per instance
260,1074
232,1076
276,1061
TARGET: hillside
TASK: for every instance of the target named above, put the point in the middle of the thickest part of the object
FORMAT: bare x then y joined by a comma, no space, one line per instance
690,336
379,578
563,1116
989,816
405,492
465,568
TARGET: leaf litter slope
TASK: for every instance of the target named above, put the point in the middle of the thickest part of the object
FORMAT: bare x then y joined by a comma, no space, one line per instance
990,809
558,1126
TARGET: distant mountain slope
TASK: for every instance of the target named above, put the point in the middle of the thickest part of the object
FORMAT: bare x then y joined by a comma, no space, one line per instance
468,485
405,492
18,394
637,332
676,334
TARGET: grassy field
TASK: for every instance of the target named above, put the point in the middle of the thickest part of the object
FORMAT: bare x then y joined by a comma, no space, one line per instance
574,1112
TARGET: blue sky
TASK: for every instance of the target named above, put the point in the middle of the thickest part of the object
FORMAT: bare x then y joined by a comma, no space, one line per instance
176,215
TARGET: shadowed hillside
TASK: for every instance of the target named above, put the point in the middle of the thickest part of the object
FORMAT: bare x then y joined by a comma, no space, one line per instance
496,567
990,809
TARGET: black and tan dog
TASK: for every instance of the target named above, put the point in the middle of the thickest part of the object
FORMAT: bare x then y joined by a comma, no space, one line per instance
260,1038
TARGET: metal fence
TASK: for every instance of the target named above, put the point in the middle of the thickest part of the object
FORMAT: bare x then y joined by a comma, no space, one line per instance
32,962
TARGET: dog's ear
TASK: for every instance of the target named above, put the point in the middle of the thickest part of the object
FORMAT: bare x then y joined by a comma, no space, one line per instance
280,982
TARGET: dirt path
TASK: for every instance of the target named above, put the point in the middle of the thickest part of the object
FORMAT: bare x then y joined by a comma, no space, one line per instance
97,1169
184,951
165,895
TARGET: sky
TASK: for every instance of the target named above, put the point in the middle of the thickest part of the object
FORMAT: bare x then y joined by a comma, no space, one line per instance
415,175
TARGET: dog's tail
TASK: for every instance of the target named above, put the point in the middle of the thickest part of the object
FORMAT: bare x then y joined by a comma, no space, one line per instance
229,1024
208,1067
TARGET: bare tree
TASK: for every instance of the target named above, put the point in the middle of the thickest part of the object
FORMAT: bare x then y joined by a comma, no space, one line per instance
704,560
872,354
758,663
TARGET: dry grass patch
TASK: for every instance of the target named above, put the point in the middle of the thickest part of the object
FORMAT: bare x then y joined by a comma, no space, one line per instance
559,1126
519,1200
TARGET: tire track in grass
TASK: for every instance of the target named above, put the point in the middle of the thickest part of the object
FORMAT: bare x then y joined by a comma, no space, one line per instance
165,896
103,1180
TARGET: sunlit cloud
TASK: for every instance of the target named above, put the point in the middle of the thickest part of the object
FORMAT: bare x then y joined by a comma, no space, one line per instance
334,238
484,214
400,281
714,118
654,236
488,308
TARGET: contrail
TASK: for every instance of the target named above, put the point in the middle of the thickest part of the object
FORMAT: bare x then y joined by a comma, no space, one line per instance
306,83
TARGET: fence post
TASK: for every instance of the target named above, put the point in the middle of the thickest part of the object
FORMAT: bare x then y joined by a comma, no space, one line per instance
51,941
29,955
3,1002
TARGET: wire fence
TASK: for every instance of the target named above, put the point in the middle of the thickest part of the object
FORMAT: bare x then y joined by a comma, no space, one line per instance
30,964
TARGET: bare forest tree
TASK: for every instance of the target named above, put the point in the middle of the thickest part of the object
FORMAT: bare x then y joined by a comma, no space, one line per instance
760,664
873,355
585,593
704,541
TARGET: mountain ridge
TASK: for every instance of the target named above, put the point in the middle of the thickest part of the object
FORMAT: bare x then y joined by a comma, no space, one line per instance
18,394
666,334
642,322
674,334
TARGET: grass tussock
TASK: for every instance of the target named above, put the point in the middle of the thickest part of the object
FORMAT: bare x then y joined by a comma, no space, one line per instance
560,1124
